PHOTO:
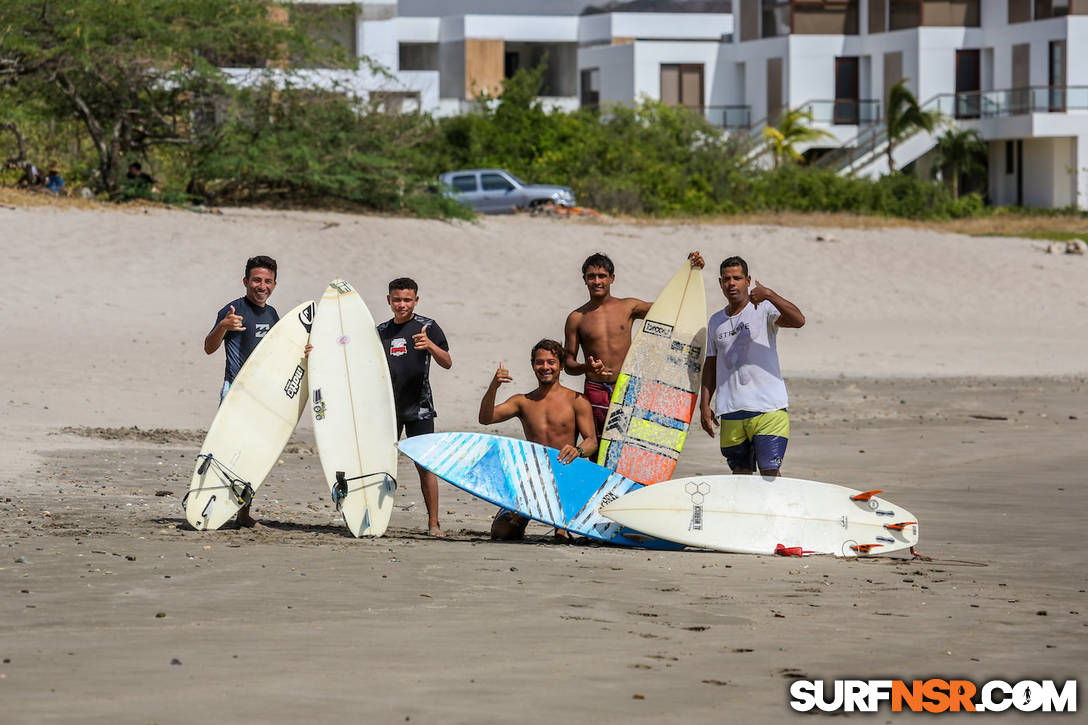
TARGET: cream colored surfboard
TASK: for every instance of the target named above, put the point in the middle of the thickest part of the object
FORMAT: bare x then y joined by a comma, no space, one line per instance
767,515
658,385
253,424
351,400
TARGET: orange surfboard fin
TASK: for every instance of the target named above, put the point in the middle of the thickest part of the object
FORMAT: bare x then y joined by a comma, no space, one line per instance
780,550
865,496
899,526
864,548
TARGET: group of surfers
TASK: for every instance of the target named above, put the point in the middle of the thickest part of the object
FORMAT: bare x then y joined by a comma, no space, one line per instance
742,399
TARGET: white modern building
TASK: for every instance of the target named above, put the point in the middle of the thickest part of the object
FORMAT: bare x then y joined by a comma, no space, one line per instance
1015,70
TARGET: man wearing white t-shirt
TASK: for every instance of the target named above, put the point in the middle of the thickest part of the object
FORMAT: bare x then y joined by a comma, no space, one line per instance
742,375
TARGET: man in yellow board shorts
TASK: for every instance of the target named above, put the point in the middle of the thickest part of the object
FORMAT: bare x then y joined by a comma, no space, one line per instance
742,375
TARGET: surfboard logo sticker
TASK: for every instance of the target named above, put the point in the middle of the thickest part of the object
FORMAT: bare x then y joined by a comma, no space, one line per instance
319,406
306,317
294,383
657,328
341,286
343,340
697,492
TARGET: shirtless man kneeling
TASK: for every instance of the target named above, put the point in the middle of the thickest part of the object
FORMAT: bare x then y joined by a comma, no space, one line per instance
552,415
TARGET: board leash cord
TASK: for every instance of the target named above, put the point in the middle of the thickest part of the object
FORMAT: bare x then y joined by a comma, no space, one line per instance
915,556
242,490
340,488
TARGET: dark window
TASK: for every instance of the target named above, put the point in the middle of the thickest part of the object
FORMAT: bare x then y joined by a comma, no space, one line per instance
510,64
1019,11
591,87
1057,75
418,56
846,90
1051,8
968,83
775,16
495,182
904,14
1010,157
464,182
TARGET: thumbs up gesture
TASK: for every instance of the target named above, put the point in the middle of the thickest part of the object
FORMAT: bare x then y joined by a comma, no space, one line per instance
422,342
232,322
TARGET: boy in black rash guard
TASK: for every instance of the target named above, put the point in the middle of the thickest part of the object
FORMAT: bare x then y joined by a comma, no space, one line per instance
241,324
410,341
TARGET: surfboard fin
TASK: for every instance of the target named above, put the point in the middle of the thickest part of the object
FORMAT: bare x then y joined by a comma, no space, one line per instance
781,550
864,548
204,465
866,495
899,526
243,492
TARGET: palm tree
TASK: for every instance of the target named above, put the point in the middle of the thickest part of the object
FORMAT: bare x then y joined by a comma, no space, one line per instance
960,151
792,128
904,116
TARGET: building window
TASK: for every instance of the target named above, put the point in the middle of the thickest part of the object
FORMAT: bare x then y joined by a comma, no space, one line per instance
775,16
903,14
1019,11
418,56
1010,157
682,84
825,17
591,87
1051,8
846,91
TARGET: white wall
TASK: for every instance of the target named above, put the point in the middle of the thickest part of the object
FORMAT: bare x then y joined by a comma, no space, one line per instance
617,71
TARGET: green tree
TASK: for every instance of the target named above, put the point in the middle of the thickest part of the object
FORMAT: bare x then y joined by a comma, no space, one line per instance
960,151
792,129
903,117
139,74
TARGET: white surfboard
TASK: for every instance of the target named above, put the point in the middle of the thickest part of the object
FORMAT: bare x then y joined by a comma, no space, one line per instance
767,515
355,420
253,424
658,385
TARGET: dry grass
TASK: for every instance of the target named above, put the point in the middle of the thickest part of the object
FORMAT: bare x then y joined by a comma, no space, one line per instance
1035,226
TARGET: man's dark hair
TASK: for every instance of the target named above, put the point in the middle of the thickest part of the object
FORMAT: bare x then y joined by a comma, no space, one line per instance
551,346
598,259
136,165
734,262
404,283
263,261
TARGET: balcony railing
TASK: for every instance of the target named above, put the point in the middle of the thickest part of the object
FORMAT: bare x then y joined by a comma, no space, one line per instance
965,106
728,117
845,111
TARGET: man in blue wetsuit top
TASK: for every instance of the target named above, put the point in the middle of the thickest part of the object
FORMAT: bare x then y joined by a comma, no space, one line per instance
410,341
240,325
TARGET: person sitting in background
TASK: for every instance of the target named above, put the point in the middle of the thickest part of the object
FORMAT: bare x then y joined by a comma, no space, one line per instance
139,178
31,176
53,181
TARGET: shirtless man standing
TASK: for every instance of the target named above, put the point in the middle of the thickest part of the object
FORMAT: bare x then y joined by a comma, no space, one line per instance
602,329
552,415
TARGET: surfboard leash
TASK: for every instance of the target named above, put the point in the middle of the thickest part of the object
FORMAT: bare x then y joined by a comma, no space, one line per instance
340,488
915,556
237,485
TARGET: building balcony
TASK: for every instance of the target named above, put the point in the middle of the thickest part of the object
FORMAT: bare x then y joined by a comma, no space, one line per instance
844,111
1013,102
727,117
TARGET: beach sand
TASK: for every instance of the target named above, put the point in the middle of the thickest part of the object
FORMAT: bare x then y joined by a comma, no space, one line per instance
949,371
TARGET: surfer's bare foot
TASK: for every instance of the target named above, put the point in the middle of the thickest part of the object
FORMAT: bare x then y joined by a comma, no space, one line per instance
436,531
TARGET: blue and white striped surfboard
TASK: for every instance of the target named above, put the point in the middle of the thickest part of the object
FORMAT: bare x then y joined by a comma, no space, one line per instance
529,479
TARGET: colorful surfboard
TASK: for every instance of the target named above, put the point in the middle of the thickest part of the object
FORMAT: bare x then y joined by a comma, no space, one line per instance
658,385
529,479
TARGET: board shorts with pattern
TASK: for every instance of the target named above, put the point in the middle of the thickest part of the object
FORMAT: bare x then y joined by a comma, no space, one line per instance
599,396
749,439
